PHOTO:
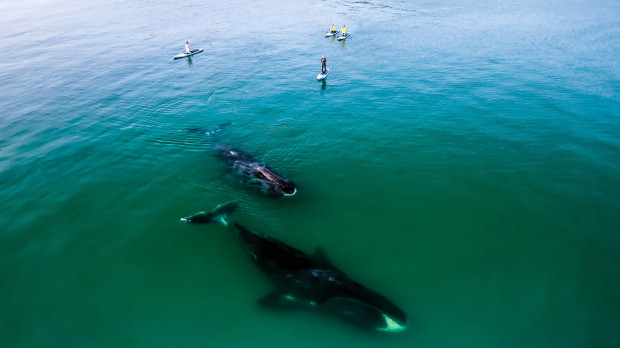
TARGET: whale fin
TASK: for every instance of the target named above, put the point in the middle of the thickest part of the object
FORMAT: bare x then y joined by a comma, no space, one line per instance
202,217
321,256
219,214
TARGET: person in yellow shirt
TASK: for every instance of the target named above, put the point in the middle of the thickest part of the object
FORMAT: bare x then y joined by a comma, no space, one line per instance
343,30
333,29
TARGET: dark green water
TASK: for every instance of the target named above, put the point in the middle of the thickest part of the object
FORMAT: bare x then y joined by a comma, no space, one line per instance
463,159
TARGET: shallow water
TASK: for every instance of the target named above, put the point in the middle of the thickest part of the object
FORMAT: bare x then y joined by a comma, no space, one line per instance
462,159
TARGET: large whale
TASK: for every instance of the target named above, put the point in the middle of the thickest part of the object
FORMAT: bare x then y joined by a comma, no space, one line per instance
251,170
309,281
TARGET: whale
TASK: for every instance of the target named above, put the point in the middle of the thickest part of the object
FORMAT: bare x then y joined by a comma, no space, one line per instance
252,171
309,281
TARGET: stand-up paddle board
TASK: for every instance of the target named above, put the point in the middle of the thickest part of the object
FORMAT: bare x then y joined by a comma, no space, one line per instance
343,37
191,53
322,76
331,33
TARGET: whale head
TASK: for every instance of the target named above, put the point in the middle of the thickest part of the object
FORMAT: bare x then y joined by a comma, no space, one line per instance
368,315
279,185
287,188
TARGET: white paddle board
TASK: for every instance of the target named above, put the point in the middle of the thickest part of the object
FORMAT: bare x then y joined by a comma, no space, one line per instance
191,53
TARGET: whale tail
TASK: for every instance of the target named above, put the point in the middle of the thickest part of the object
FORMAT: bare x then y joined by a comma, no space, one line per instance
209,131
219,214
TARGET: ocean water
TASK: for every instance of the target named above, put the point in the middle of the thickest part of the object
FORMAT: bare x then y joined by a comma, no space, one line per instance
462,159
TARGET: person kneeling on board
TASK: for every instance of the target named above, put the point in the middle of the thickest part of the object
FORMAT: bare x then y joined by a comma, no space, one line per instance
333,29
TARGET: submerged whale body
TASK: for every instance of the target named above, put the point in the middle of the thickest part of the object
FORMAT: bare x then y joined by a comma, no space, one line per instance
309,281
253,171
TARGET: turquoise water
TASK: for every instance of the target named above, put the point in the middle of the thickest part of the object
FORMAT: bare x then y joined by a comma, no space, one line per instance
462,158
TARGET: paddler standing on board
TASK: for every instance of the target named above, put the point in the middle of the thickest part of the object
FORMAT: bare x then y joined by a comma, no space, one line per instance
343,30
187,47
323,65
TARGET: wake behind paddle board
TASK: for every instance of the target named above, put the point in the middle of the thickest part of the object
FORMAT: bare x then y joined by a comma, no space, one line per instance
191,53
322,76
